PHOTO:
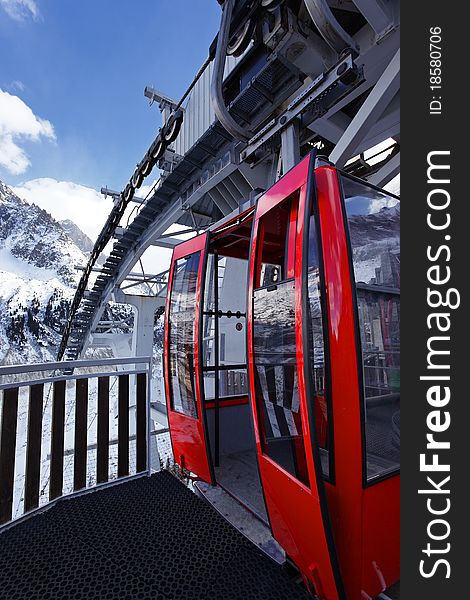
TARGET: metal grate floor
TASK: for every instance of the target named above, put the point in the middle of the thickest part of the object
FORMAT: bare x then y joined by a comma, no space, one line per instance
147,538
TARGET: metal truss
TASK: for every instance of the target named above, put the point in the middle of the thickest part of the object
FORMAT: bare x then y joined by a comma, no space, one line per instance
292,77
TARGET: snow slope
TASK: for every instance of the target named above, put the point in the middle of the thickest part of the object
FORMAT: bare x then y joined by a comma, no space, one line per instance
37,280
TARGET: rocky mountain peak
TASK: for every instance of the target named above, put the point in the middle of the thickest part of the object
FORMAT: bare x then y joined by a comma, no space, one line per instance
37,279
82,241
31,235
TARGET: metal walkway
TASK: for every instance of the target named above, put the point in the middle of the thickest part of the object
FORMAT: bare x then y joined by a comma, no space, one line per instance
147,538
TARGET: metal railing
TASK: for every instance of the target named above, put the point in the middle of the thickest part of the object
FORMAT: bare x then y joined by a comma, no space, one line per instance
66,427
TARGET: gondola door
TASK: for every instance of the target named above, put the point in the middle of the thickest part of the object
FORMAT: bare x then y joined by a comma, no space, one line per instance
286,436
183,381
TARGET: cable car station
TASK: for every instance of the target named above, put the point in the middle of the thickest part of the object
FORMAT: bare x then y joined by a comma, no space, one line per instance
281,349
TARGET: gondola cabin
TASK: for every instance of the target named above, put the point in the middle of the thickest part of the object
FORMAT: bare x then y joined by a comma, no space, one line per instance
282,372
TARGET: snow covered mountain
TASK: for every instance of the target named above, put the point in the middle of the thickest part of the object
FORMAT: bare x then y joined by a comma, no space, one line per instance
81,240
37,279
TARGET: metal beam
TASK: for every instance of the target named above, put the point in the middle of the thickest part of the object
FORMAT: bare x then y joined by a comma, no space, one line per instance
290,148
233,189
375,60
230,195
117,195
100,340
203,220
388,126
387,172
375,104
221,203
378,14
168,242
242,185
328,129
179,232
144,319
328,26
131,274
154,231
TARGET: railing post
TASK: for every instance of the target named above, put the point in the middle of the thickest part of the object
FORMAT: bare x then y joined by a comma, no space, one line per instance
33,449
102,438
138,367
81,430
141,427
149,426
7,453
123,425
56,466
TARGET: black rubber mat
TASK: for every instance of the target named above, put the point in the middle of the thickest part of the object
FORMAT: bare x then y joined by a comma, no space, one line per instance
148,538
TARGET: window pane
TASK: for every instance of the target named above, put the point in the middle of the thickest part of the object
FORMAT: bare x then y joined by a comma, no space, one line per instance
379,316
232,383
276,378
374,229
182,320
317,348
274,261
232,279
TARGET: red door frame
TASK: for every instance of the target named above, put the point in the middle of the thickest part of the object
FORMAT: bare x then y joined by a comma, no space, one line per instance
189,438
363,517
345,495
298,514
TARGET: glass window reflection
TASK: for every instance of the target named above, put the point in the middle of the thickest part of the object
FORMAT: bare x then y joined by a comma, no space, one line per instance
374,229
182,318
314,318
274,337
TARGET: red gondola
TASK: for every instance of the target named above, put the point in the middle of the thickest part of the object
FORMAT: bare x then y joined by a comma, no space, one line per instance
282,357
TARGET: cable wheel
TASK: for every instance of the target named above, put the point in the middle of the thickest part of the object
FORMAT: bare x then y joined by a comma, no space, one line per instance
137,179
158,150
240,41
173,127
147,166
128,193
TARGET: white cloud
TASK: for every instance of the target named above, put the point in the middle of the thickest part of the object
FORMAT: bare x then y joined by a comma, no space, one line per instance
19,123
86,207
20,10
16,86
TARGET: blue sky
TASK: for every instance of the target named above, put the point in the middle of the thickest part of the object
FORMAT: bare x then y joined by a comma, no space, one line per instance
81,68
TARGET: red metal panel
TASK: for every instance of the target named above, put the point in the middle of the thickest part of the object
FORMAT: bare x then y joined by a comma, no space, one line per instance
366,521
290,182
188,435
346,495
224,402
381,536
295,510
291,233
